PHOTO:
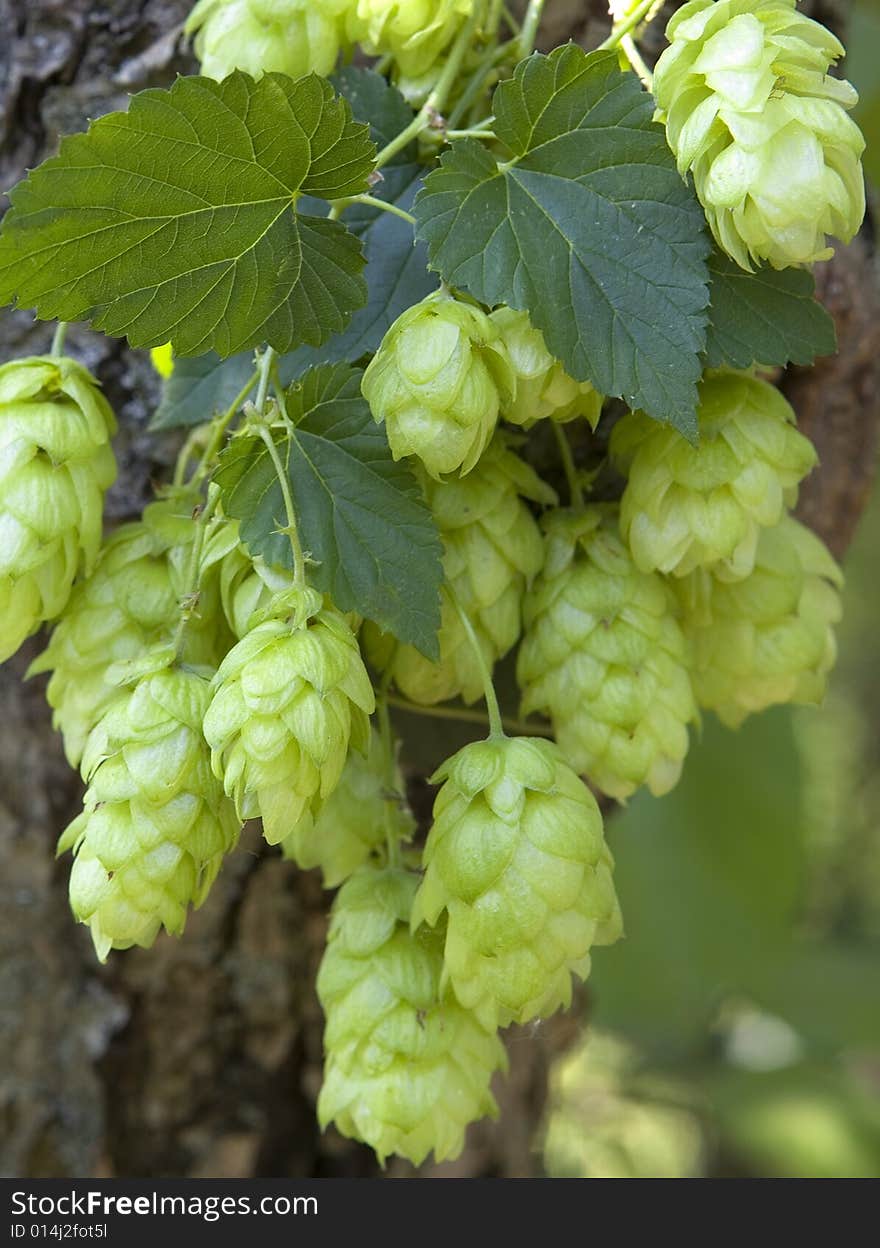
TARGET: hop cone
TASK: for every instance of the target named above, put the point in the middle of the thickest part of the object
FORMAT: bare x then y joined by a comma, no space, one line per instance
406,1067
518,861
604,657
287,701
129,605
492,550
751,110
354,820
55,464
294,37
438,381
769,638
415,34
155,826
686,506
543,387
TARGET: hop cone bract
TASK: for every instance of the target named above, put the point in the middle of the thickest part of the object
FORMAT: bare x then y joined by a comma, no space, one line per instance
543,387
752,111
287,701
415,33
293,37
605,658
438,381
517,859
406,1067
155,825
688,506
55,464
769,638
492,550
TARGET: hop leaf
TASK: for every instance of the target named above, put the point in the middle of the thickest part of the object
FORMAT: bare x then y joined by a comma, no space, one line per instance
287,701
517,859
406,1067
129,606
751,109
604,657
155,826
355,819
55,464
543,387
415,34
688,506
438,381
767,639
293,37
492,551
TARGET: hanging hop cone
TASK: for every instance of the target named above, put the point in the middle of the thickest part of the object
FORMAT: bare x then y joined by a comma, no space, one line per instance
129,605
55,464
492,551
406,1067
543,387
517,859
605,658
354,821
287,702
689,506
415,34
438,382
293,37
752,112
770,638
155,825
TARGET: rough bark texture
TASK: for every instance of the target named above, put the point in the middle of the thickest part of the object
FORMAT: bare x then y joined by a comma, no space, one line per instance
202,1057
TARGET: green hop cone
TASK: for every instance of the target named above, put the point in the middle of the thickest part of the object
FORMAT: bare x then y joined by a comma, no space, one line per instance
128,606
492,551
691,506
356,819
155,826
406,1067
517,859
770,638
55,464
605,658
415,33
752,112
543,387
293,37
288,700
438,382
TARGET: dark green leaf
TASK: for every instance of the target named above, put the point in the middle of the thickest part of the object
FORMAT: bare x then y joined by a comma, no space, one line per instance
587,225
361,515
374,100
200,386
177,220
768,317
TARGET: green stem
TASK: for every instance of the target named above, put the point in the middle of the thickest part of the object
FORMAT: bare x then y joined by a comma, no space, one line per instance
264,369
186,454
470,134
299,562
487,63
511,19
190,599
57,347
517,727
529,32
629,23
436,100
220,425
632,54
571,472
496,724
386,736
371,202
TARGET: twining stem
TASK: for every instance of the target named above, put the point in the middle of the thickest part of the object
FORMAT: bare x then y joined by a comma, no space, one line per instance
371,202
496,724
57,347
436,100
488,61
470,134
264,370
299,562
571,473
529,30
620,29
634,56
386,736
219,427
189,602
516,727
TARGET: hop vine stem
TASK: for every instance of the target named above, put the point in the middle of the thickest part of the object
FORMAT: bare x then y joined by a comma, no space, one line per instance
57,347
496,722
621,29
529,31
386,736
189,602
463,714
571,473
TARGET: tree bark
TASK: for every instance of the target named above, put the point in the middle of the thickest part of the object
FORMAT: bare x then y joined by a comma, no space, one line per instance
202,1056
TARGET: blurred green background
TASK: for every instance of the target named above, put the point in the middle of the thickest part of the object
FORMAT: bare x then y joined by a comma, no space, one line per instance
736,1030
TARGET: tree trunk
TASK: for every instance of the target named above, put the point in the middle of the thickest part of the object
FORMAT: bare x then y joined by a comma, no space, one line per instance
202,1056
